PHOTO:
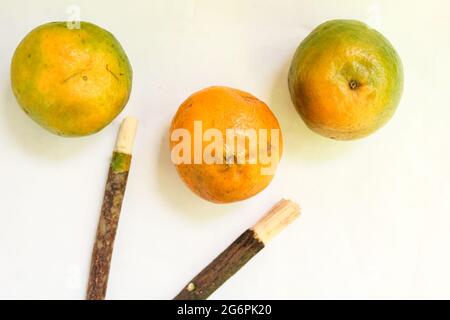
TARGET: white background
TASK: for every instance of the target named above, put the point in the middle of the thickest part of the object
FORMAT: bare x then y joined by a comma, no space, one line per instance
375,212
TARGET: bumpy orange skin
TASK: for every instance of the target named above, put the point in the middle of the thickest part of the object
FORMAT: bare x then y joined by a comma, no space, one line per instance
345,80
225,108
71,82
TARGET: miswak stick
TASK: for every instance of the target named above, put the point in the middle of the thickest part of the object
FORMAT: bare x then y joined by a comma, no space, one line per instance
110,213
240,252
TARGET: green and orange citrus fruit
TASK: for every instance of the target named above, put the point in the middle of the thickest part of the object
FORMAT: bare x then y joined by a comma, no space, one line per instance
345,80
72,82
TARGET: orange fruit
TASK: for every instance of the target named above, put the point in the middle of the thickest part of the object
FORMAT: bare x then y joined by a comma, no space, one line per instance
72,82
226,180
345,80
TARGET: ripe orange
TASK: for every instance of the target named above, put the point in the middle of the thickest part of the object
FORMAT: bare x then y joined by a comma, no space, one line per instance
225,108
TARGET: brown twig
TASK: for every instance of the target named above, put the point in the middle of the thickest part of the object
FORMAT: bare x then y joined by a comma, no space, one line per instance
110,213
240,252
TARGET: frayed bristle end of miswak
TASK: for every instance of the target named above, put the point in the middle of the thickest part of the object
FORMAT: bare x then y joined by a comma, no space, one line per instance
126,136
280,216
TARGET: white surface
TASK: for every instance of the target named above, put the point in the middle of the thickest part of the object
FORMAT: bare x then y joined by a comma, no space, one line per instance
376,212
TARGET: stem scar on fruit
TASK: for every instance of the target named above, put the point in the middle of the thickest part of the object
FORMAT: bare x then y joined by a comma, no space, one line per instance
353,84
